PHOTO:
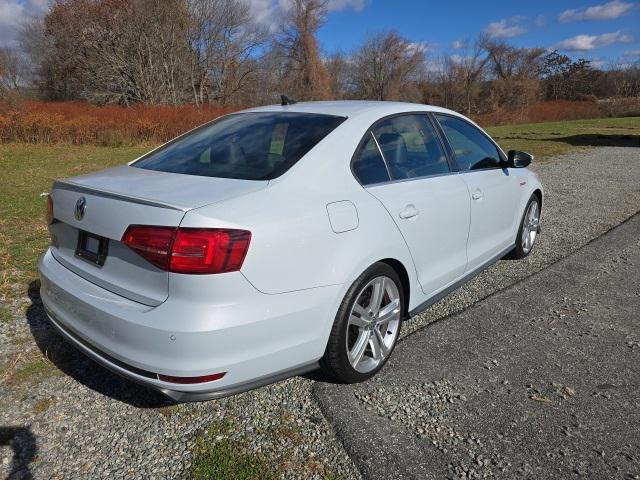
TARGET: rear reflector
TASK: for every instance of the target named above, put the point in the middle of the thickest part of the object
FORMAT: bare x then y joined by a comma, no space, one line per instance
189,250
189,380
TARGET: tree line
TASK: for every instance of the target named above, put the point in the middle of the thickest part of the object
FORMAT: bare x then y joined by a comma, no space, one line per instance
214,52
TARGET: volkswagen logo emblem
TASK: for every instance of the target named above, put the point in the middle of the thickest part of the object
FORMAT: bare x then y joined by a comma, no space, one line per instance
81,207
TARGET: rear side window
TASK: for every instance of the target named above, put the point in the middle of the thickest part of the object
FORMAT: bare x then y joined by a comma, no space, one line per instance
246,146
368,164
474,151
411,147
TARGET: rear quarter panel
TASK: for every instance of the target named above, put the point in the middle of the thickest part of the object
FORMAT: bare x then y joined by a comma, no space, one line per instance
293,246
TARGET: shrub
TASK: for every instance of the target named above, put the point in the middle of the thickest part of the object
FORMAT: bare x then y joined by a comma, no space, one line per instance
83,123
558,110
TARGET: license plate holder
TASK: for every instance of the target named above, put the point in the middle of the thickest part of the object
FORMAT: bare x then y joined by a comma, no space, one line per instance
92,248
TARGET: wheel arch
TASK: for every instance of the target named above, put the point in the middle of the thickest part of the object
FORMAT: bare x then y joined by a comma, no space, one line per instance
401,270
538,193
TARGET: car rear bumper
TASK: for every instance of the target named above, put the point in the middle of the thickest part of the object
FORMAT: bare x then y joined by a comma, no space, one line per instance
255,338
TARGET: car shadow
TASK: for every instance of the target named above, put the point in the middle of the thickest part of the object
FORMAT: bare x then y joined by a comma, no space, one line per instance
599,140
23,443
319,376
74,363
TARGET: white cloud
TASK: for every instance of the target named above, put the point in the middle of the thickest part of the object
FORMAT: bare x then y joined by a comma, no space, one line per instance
606,11
10,15
13,15
597,63
632,53
457,45
337,5
582,43
455,58
505,28
417,47
269,12
261,10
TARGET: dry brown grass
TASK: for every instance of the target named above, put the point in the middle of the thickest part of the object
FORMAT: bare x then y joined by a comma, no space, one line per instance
562,110
86,124
83,123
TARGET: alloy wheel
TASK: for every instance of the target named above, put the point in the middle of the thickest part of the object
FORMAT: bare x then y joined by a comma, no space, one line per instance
530,226
373,324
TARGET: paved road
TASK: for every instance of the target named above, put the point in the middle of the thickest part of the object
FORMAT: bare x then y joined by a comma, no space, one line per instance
540,380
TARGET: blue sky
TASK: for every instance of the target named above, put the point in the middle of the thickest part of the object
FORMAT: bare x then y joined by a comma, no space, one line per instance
603,31
610,32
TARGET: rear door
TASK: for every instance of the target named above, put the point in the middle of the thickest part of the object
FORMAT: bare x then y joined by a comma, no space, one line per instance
494,191
404,165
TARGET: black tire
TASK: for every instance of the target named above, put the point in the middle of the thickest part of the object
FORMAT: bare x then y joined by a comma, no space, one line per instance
519,252
335,362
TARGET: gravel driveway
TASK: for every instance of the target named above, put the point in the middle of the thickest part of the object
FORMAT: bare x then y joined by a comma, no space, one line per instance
71,418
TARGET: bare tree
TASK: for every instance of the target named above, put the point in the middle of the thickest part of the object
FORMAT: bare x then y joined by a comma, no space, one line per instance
624,80
267,85
113,51
445,85
212,51
224,41
386,67
516,73
338,69
469,68
305,76
12,73
159,53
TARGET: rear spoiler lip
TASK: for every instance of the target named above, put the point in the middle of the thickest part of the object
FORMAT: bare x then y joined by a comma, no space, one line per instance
76,187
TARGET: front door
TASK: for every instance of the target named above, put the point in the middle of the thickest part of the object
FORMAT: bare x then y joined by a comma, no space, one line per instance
492,190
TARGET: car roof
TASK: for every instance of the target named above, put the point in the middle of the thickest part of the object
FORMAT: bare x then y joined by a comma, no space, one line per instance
352,108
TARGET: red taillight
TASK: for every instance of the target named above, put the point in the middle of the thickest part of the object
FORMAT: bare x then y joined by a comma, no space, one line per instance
215,250
152,243
188,380
190,250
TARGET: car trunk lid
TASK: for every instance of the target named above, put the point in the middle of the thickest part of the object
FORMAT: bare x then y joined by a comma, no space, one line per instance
113,200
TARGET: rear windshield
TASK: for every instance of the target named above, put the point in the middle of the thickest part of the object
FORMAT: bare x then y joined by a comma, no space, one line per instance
247,146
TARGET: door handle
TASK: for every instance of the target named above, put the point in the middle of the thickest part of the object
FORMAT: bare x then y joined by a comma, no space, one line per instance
477,195
409,211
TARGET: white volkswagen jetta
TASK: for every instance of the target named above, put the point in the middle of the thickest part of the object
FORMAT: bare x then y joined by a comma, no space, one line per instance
280,238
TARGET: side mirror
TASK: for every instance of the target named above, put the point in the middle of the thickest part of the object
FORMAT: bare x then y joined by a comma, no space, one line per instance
518,159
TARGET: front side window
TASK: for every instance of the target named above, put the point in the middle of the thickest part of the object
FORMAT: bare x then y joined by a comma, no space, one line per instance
474,151
411,147
247,146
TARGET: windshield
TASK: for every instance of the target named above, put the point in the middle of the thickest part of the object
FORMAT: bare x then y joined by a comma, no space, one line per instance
247,146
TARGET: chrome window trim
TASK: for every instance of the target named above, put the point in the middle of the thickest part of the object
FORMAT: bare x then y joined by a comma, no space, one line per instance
481,170
384,159
444,141
412,179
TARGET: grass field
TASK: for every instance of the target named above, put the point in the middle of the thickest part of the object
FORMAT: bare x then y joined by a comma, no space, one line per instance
28,170
545,140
